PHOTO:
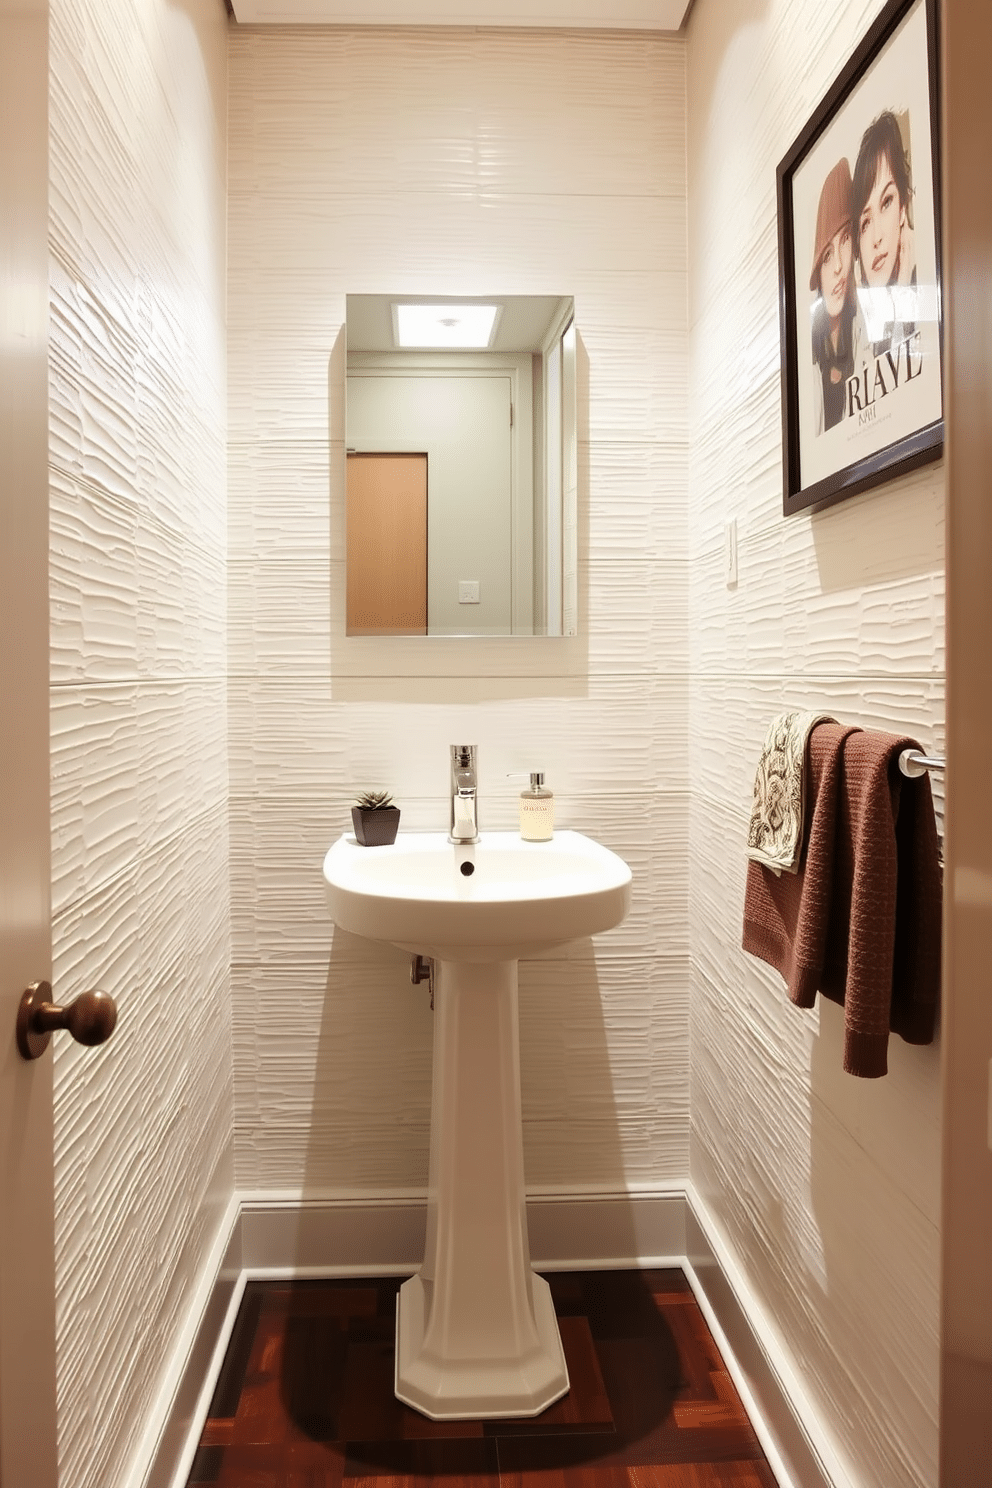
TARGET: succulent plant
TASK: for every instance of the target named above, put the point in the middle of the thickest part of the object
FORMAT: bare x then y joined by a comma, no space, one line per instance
374,800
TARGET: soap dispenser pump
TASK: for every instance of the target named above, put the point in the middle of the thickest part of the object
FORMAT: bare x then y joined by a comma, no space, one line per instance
537,810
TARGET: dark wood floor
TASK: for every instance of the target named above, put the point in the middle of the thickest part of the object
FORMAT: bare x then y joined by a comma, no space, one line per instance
305,1398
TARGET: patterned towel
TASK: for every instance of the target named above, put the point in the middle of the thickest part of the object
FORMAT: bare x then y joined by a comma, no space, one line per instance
775,833
787,918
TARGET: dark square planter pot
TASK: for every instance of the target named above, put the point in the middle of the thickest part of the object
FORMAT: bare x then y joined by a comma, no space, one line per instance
376,828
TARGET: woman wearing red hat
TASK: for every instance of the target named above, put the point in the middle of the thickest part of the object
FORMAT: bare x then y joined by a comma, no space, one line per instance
837,331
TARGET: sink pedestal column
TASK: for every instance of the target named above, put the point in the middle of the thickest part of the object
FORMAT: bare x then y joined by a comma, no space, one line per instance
476,1333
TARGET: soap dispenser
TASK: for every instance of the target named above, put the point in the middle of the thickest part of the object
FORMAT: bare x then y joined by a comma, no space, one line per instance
537,810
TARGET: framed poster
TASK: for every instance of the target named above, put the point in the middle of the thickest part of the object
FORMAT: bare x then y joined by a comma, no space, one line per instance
859,270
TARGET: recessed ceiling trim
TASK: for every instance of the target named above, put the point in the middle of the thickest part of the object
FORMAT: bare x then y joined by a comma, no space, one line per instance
430,327
623,15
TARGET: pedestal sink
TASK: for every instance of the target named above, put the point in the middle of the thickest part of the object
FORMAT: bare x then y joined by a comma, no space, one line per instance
476,1333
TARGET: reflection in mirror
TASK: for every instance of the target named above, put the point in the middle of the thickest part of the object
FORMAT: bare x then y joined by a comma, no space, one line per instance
461,478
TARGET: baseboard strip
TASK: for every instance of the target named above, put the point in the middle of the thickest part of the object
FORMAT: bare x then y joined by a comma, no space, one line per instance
184,1397
280,1235
793,1438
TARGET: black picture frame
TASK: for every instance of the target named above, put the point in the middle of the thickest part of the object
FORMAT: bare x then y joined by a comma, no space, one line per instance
862,388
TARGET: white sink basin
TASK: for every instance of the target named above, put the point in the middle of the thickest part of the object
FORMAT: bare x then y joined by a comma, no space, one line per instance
500,899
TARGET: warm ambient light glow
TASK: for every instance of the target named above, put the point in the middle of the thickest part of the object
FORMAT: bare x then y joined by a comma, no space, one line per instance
463,326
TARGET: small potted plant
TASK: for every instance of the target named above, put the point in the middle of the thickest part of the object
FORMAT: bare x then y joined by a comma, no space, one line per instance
376,819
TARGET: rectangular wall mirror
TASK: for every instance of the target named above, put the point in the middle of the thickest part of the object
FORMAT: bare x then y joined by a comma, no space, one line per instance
461,454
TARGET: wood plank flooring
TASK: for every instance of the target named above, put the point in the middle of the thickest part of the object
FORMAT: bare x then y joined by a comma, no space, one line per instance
305,1398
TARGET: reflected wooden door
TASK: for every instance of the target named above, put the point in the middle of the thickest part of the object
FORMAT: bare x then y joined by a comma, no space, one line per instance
387,545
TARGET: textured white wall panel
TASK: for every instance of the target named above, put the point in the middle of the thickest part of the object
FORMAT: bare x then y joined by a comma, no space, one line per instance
455,161
144,1127
270,751
825,1187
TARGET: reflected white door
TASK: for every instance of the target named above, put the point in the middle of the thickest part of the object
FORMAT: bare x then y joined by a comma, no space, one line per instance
479,529
27,1265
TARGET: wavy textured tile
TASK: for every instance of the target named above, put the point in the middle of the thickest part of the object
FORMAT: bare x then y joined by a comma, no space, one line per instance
139,768
546,163
440,160
279,906
825,1187
584,744
496,184
404,109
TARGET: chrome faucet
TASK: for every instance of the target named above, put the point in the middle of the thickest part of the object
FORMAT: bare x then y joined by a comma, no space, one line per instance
464,795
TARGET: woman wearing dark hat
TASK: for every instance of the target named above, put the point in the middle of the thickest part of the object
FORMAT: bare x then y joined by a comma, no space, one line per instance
836,326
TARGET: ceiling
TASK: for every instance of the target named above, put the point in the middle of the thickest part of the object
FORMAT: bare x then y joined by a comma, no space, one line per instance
637,15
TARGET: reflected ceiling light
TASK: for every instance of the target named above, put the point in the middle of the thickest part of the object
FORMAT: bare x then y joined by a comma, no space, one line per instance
464,326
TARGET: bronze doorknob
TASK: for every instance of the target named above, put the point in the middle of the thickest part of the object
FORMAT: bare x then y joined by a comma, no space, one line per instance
91,1019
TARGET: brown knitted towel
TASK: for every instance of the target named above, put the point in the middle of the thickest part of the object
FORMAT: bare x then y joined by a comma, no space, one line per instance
883,948
861,920
787,918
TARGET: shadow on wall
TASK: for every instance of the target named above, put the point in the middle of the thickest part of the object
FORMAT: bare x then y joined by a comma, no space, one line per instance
884,536
366,1162
370,1120
369,1134
875,1199
571,1124
875,1195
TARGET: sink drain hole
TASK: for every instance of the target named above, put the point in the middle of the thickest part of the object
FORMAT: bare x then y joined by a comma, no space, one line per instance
467,868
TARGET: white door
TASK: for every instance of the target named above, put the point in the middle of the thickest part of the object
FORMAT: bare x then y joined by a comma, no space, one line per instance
27,1266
